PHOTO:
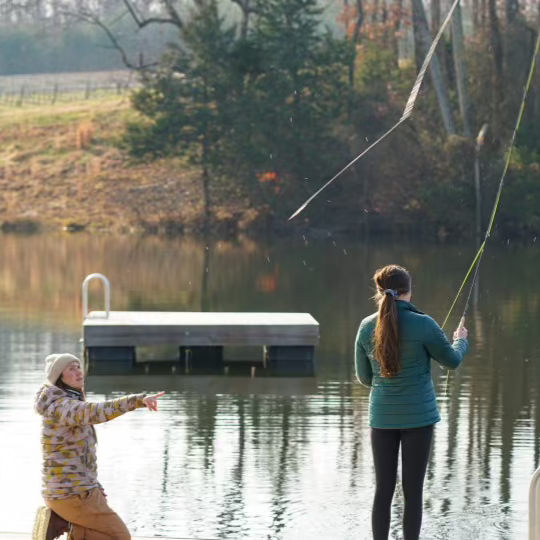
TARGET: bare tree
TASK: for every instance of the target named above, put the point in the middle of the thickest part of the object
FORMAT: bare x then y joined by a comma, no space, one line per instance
354,41
511,10
141,14
435,8
458,48
497,60
475,14
247,10
15,10
422,44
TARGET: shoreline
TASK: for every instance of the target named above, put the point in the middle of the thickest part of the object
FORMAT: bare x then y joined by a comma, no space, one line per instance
64,167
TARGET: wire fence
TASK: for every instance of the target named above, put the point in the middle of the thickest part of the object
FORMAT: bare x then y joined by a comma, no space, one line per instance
20,90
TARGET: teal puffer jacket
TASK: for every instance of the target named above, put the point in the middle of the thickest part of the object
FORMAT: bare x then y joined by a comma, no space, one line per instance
406,400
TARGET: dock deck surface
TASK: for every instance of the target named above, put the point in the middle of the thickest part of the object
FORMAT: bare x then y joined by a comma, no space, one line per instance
140,328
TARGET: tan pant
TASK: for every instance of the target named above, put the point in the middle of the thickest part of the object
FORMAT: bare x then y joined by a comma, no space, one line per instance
90,516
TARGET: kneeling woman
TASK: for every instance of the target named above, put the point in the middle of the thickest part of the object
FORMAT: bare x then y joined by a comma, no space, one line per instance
394,348
71,489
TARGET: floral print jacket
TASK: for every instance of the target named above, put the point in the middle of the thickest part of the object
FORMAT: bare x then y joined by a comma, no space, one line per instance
68,438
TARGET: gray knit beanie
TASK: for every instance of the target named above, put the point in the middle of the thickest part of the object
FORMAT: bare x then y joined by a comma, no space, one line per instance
55,365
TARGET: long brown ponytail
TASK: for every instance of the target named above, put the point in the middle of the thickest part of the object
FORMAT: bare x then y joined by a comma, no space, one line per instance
391,282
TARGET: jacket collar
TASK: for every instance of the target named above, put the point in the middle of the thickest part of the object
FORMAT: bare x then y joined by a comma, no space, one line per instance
402,305
73,394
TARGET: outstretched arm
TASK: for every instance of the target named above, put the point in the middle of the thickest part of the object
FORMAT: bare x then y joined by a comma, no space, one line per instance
70,412
449,355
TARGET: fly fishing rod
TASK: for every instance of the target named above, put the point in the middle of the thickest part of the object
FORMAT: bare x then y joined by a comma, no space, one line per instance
475,265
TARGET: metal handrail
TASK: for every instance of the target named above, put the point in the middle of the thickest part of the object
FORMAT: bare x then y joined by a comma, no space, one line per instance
534,506
107,287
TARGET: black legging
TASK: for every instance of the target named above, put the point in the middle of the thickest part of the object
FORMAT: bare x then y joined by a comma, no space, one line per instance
415,447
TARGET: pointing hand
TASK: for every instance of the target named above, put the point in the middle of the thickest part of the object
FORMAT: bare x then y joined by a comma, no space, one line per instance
151,401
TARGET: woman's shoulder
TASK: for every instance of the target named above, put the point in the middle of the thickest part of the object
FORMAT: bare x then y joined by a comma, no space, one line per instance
46,396
420,322
368,324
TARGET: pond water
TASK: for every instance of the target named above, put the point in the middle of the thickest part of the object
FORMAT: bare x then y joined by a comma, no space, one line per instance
283,458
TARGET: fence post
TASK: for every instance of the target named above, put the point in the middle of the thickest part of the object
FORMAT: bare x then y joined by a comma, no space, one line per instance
534,507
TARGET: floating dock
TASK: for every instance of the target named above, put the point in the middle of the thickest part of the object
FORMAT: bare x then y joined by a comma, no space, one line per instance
111,338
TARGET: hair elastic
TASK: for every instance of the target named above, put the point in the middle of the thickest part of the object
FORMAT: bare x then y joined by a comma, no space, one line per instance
391,292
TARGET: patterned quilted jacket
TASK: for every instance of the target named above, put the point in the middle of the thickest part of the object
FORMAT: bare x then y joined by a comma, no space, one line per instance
68,438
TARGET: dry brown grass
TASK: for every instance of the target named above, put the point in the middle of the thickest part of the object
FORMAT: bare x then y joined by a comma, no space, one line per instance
62,165
85,133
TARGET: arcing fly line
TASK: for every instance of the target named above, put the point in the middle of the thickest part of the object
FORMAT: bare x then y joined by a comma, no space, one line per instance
406,113
478,257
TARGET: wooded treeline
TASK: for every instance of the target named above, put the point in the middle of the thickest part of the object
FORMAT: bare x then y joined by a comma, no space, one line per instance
270,104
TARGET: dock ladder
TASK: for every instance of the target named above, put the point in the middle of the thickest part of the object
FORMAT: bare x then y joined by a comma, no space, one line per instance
107,287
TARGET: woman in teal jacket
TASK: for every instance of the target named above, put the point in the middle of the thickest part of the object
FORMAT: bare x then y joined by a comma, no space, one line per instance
393,355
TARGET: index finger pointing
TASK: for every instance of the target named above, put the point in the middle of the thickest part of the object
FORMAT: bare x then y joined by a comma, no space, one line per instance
156,396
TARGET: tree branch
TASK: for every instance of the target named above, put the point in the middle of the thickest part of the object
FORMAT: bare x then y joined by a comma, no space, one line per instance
244,6
173,14
141,22
91,18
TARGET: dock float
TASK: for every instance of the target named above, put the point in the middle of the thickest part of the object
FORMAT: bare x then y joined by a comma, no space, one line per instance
111,338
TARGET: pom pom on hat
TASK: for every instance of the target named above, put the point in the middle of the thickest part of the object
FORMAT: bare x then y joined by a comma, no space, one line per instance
55,365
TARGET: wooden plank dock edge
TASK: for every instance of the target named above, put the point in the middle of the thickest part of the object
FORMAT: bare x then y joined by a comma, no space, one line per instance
135,329
28,536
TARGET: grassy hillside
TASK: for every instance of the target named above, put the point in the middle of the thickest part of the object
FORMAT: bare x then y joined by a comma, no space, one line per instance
61,166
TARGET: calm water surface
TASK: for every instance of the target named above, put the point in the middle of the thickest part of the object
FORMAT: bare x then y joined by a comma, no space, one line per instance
280,458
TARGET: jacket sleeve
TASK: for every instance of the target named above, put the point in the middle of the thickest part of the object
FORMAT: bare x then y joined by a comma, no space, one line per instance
439,348
71,412
364,371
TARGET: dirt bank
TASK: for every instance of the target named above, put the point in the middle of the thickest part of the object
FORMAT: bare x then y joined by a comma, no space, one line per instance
62,167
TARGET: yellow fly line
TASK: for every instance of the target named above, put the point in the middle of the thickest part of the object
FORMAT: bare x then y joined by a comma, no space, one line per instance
478,257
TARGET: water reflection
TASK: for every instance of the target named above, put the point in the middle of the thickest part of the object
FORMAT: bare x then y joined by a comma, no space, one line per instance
241,457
